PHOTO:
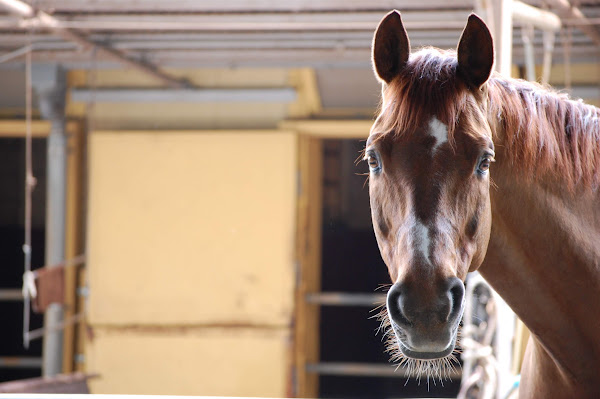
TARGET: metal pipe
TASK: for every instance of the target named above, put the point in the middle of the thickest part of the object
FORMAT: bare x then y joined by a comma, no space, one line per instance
247,26
45,20
18,7
112,6
50,86
541,19
259,18
521,12
221,41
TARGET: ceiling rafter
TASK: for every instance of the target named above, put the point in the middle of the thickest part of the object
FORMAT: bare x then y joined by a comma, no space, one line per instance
43,19
263,33
573,13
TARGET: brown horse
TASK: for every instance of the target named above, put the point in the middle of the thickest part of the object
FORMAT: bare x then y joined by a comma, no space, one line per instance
530,222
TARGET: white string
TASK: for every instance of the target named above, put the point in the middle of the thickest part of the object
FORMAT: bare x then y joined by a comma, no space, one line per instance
30,182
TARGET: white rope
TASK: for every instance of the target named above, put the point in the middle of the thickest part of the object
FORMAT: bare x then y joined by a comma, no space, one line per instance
30,182
480,368
29,290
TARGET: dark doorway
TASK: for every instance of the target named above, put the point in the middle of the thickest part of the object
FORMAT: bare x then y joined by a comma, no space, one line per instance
351,263
16,362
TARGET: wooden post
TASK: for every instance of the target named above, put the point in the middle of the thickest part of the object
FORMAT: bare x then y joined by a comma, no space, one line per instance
308,272
73,239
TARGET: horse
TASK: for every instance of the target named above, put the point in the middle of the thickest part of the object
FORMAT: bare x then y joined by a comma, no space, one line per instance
471,170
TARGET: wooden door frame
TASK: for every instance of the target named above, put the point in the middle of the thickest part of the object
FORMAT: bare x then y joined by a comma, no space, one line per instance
308,240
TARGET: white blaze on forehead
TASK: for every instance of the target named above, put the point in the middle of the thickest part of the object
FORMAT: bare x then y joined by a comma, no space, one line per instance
438,130
422,240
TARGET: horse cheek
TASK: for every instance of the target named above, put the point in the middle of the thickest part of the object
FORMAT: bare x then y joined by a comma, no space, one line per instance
482,236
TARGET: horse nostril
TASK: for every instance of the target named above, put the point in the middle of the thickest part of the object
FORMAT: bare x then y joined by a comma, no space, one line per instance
395,306
456,294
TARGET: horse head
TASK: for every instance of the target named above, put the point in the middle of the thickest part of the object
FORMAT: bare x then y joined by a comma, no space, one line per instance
429,154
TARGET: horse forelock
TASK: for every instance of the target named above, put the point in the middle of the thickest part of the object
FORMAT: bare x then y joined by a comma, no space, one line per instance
427,87
543,131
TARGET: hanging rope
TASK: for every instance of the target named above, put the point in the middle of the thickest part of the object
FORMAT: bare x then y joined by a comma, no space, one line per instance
29,288
30,182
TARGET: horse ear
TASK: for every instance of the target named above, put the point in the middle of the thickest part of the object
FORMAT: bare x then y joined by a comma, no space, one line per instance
391,47
476,52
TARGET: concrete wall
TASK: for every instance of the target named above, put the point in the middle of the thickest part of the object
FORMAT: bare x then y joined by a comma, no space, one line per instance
191,262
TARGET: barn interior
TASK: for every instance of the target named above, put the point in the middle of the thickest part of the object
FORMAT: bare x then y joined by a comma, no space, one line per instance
198,177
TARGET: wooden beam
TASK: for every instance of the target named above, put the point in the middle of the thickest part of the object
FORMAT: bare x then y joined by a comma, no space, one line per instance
308,253
308,100
541,19
16,128
330,129
219,95
74,239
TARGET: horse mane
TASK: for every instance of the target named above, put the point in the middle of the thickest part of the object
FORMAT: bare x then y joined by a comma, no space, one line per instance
543,131
546,131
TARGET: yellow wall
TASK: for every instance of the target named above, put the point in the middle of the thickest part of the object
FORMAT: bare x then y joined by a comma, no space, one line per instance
203,361
191,261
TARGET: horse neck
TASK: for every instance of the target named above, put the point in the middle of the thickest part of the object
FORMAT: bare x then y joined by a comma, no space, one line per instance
544,259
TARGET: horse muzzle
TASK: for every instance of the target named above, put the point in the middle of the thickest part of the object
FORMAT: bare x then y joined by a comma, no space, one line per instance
425,321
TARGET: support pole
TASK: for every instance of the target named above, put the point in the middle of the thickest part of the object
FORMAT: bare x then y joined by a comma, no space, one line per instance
50,86
549,39
527,36
541,19
502,32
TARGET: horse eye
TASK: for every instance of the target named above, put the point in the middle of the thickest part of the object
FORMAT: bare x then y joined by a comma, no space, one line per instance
484,164
373,162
